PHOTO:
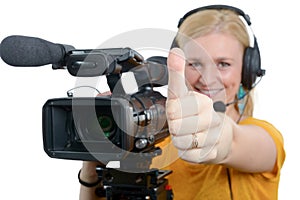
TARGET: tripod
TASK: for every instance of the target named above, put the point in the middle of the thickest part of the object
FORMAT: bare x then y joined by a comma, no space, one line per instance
134,181
119,185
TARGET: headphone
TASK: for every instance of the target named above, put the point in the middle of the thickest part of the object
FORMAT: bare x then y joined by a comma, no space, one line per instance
251,61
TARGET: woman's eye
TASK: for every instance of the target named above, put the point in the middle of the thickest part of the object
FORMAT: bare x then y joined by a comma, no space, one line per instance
195,65
223,64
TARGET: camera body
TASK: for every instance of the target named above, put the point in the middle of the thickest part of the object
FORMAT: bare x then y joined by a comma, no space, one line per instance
110,127
103,127
121,128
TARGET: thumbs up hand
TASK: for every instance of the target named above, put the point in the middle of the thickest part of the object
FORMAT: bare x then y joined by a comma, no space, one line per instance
200,134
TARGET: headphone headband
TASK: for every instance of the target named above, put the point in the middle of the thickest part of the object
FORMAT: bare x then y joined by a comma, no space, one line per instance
216,7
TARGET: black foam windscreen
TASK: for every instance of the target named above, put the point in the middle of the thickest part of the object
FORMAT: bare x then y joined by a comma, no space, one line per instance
219,106
19,50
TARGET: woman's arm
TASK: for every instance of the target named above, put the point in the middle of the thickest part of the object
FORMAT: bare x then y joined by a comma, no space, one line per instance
88,174
252,149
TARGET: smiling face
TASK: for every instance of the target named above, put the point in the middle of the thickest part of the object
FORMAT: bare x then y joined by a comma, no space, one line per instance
215,57
214,65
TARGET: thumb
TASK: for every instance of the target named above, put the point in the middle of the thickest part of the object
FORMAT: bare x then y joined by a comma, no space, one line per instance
176,68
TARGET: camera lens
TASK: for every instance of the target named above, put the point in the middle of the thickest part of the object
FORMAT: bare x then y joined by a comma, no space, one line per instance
107,125
95,127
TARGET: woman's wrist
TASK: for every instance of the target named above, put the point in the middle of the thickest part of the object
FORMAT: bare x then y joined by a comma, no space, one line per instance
88,184
88,173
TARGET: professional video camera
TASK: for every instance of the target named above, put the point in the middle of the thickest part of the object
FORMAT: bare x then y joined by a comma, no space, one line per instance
121,127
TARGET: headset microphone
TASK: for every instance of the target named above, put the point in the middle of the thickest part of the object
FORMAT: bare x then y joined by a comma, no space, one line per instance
220,106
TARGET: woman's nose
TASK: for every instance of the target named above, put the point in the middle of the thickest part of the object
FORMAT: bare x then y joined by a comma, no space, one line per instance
210,76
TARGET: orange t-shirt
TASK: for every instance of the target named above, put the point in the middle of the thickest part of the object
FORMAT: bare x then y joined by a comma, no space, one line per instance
200,181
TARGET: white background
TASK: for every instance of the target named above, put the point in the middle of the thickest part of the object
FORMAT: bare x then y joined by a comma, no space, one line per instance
26,172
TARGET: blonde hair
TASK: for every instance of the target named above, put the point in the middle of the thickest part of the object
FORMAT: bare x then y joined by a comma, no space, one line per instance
217,20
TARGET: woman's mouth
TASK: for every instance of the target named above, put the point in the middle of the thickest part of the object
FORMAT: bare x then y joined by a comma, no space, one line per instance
210,93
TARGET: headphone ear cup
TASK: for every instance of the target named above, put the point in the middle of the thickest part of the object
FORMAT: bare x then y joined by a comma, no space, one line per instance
251,66
247,77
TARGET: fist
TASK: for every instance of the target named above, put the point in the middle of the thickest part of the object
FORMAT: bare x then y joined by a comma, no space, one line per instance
200,134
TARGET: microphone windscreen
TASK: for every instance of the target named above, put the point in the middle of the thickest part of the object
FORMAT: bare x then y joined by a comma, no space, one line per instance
219,106
30,51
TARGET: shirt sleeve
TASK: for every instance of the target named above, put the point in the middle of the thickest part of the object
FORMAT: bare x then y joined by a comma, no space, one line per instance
279,142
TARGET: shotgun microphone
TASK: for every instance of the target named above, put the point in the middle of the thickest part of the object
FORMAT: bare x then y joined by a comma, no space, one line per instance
17,50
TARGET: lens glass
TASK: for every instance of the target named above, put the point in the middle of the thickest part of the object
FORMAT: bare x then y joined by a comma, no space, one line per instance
95,126
107,125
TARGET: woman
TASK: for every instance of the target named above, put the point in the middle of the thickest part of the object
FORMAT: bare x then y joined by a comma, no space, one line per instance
227,155
244,160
